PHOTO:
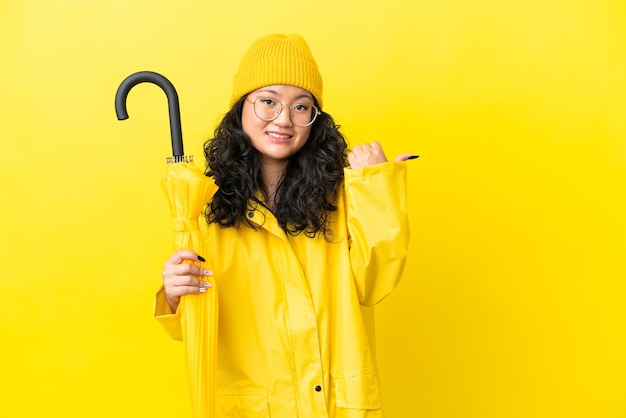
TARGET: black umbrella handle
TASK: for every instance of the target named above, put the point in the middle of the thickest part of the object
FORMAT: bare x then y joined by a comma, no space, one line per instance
172,103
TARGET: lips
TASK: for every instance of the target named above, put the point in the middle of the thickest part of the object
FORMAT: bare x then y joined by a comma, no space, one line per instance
278,137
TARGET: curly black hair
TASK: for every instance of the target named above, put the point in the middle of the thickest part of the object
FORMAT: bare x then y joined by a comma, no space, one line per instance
306,193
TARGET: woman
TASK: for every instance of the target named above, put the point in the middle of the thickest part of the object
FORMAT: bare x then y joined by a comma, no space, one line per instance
305,238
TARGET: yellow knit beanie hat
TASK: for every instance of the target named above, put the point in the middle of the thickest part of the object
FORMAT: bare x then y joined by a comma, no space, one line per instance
277,59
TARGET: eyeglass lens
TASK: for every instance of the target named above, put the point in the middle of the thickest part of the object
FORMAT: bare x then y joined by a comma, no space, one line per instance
302,114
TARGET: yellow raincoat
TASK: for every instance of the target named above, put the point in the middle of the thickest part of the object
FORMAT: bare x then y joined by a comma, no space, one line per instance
296,330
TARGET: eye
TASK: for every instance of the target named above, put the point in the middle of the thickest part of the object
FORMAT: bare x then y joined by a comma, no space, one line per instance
301,107
268,102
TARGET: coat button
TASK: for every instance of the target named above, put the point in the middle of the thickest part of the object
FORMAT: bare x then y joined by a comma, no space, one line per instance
250,214
318,388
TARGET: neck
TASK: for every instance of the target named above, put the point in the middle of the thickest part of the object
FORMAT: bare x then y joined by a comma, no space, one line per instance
272,173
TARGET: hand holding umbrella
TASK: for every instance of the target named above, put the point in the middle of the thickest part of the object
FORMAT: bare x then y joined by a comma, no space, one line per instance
187,190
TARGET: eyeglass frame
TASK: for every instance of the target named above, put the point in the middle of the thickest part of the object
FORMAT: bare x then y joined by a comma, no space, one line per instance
282,105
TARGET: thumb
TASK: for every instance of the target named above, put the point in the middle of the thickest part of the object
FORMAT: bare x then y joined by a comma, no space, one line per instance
405,156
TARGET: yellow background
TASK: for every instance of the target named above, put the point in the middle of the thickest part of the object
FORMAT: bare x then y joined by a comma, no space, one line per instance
513,302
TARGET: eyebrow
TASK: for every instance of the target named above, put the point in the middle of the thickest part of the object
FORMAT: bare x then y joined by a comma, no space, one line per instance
266,90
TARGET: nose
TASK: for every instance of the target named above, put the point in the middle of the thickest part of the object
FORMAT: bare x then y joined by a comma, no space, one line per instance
284,117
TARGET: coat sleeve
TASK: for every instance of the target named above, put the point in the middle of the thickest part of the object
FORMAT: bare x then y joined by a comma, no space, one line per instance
163,313
378,226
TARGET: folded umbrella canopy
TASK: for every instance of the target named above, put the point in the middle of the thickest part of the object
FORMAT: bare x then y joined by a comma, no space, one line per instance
187,190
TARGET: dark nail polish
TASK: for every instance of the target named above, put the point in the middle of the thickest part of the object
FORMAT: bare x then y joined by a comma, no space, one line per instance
412,157
201,258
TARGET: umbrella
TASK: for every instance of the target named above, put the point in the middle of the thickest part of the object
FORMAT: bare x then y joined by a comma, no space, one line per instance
187,190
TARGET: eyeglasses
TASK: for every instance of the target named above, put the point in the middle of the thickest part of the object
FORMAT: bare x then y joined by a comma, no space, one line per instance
302,114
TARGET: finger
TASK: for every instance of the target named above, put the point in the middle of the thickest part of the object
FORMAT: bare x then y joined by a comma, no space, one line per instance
174,284
357,161
374,148
361,151
375,153
186,269
405,156
177,275
182,255
376,145
176,293
369,146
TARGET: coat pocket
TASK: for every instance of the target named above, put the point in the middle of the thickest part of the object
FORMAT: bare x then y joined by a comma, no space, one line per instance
234,404
358,391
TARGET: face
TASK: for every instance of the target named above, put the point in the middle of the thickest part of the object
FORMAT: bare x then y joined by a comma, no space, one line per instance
279,139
